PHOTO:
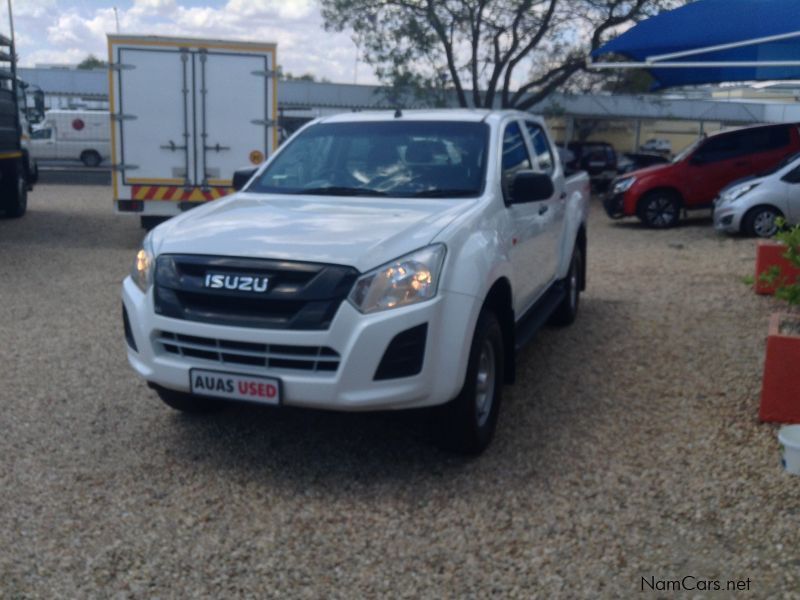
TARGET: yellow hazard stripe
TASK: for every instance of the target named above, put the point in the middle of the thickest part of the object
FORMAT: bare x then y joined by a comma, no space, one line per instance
15,154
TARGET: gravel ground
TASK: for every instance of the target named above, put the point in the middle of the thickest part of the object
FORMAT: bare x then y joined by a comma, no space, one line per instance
629,449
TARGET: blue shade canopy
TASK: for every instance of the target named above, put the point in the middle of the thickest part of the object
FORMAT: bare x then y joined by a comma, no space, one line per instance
705,24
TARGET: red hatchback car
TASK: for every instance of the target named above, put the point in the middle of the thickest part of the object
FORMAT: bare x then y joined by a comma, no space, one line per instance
657,195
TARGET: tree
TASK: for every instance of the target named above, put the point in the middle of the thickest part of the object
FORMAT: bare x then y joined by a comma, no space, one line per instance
508,52
92,62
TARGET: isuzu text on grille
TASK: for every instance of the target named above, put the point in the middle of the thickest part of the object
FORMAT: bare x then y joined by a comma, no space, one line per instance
244,283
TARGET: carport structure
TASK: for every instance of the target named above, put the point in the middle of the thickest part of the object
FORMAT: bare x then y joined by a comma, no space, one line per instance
713,41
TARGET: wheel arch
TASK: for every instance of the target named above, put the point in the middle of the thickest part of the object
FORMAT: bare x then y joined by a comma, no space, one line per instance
500,300
746,216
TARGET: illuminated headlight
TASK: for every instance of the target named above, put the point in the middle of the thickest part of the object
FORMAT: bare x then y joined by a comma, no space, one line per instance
142,269
407,280
623,185
739,191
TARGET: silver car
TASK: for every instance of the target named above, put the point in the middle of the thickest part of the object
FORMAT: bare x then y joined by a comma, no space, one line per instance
751,206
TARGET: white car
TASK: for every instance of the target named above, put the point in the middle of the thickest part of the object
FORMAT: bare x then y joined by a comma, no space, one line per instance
752,206
660,145
376,261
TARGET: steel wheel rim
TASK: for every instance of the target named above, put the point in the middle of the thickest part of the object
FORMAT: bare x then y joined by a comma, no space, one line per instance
660,211
764,224
484,383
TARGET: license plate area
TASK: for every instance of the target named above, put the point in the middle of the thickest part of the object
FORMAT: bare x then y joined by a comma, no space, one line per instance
235,386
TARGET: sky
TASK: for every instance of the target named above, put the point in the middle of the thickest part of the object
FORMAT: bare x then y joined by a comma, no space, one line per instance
66,31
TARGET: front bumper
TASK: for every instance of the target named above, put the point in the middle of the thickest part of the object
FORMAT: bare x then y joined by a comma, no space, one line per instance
727,218
614,205
359,339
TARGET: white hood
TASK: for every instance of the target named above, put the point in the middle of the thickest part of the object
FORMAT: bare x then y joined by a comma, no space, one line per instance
359,232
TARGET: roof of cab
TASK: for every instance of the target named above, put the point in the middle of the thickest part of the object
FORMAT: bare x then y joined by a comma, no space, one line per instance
444,114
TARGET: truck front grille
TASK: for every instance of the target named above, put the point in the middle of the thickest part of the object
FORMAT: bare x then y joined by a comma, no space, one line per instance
298,295
272,356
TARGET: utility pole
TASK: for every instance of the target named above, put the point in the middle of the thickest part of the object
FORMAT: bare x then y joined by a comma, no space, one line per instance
116,17
355,67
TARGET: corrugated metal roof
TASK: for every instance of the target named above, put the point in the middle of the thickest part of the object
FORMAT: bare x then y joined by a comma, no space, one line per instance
79,82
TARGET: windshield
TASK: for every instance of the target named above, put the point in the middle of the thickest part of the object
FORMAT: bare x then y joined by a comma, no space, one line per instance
386,158
687,151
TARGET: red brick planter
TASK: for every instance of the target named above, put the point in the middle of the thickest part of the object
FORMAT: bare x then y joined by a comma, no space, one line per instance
769,254
780,391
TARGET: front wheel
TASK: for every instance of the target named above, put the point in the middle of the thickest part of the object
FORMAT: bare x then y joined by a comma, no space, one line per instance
659,210
761,221
91,159
14,190
468,422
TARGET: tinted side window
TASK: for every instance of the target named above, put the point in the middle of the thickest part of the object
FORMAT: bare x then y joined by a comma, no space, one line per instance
763,140
718,148
541,147
792,176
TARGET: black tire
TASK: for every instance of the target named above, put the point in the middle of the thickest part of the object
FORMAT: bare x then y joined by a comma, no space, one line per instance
90,158
188,403
760,221
567,311
468,422
14,190
660,209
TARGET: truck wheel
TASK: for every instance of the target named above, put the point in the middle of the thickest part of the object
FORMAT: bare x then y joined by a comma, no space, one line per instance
567,311
468,422
761,221
90,158
187,402
14,190
660,209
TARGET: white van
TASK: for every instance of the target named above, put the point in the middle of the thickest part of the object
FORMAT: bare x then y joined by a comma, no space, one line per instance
73,135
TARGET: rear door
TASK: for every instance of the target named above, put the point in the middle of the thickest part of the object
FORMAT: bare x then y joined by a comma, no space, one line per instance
767,146
155,113
235,128
712,166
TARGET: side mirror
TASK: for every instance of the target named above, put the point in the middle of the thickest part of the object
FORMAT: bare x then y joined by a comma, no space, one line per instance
528,186
242,176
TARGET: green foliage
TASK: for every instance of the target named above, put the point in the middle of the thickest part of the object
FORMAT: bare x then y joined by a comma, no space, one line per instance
92,62
485,53
787,291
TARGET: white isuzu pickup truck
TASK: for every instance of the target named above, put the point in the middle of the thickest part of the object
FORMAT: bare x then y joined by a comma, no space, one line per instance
386,260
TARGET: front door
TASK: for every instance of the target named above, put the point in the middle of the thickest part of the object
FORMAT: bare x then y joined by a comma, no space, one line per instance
529,249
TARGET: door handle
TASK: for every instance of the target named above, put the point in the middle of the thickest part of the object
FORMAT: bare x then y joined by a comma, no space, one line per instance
741,163
543,209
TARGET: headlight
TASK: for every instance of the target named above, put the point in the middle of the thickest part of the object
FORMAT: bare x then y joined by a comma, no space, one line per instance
623,185
407,280
142,269
740,191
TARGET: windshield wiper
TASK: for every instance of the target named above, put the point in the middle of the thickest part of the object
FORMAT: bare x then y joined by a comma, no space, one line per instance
338,190
453,193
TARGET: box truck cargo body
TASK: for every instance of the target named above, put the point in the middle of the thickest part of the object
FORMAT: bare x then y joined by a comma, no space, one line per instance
186,113
73,135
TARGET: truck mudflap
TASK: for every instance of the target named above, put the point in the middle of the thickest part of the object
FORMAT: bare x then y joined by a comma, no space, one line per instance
613,203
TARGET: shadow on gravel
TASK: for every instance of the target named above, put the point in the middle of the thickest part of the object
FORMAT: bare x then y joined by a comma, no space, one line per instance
330,451
695,221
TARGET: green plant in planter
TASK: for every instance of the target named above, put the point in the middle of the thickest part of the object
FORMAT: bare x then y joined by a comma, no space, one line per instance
790,236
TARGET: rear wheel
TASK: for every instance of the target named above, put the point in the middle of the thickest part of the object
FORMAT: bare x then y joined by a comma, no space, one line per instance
567,311
468,422
660,209
13,191
761,221
188,403
90,158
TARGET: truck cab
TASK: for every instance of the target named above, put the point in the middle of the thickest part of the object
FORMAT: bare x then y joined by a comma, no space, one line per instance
378,261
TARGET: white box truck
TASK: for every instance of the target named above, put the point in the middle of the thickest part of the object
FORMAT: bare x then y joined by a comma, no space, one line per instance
186,113
82,135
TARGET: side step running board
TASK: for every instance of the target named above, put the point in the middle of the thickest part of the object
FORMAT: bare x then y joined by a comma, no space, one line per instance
533,320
